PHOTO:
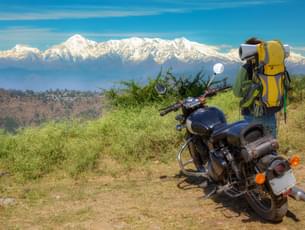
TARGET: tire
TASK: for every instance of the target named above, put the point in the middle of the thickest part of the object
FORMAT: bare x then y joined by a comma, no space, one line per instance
199,152
274,211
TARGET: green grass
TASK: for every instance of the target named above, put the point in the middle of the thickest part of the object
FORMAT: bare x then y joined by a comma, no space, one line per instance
298,88
127,137
228,103
130,136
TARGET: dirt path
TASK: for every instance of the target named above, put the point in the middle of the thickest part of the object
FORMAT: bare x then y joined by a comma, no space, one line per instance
152,198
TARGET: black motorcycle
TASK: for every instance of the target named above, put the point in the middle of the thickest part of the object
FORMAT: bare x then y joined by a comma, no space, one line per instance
238,159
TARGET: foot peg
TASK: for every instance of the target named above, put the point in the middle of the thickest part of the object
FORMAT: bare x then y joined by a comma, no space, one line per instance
210,194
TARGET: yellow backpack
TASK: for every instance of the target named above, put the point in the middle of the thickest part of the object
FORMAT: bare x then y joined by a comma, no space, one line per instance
271,73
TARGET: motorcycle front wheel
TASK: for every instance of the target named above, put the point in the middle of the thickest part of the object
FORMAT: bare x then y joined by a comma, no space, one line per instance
198,152
269,207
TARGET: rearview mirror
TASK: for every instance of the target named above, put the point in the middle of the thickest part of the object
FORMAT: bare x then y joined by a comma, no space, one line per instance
218,68
161,89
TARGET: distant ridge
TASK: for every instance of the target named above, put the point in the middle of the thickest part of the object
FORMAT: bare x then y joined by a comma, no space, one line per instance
77,49
79,58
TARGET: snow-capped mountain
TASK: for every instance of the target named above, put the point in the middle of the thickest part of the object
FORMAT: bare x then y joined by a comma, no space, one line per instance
133,58
21,52
78,48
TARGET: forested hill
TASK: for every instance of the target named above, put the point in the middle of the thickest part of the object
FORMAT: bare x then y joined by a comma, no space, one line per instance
24,108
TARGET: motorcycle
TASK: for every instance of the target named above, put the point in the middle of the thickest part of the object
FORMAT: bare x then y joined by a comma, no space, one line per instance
238,159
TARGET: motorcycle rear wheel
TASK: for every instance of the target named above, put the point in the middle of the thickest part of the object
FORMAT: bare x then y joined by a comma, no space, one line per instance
269,207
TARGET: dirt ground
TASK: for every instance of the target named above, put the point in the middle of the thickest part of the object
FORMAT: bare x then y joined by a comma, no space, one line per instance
155,197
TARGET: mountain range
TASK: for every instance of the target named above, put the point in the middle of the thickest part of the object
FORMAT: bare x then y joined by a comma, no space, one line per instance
79,63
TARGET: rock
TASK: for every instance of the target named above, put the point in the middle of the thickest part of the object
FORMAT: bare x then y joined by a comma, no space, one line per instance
6,201
4,174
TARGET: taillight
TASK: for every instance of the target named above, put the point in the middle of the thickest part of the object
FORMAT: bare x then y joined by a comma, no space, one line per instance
279,169
287,193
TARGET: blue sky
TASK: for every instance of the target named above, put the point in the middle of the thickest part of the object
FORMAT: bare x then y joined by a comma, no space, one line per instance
216,22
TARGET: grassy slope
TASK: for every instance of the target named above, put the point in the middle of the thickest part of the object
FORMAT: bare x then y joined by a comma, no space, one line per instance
131,135
127,135
107,157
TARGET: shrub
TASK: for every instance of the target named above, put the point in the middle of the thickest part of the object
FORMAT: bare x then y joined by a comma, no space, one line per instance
134,94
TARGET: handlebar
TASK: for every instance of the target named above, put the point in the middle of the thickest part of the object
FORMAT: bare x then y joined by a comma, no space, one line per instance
176,106
170,108
212,92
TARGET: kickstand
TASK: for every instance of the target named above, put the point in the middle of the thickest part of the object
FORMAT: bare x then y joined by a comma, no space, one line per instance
213,192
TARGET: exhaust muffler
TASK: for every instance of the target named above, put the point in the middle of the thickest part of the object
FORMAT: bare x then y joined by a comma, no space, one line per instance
297,194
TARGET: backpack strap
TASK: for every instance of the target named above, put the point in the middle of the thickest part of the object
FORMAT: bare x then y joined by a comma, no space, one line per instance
287,75
285,106
266,58
249,70
286,89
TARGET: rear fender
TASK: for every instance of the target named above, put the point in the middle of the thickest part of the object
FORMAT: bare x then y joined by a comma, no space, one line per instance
269,165
269,162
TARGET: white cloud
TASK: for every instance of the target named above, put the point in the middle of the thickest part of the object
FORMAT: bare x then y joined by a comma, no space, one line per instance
217,4
76,13
91,11
127,34
9,37
39,37
298,48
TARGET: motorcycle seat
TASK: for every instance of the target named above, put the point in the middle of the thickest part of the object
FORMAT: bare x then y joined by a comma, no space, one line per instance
230,132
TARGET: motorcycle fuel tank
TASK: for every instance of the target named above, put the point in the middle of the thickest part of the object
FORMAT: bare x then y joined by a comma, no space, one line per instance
204,120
